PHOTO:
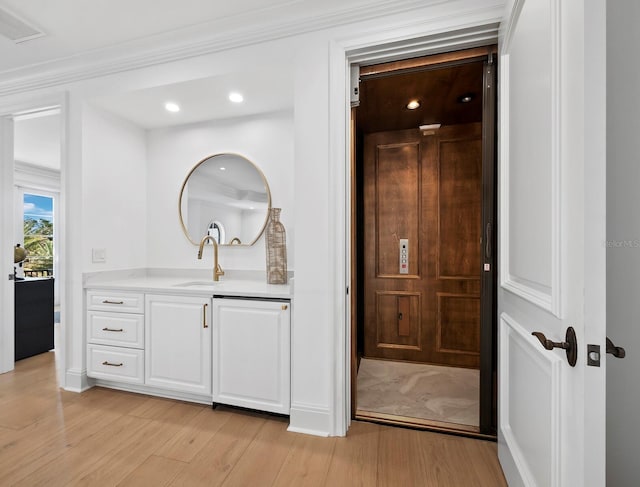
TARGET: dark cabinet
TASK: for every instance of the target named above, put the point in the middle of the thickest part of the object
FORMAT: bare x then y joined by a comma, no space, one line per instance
33,317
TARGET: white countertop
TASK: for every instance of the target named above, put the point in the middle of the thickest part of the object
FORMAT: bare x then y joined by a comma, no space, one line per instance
188,283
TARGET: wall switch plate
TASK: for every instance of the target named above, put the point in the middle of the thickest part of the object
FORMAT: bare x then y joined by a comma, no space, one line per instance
98,256
404,256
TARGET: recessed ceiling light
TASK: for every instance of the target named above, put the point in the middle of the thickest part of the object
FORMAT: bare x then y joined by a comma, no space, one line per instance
466,98
172,107
252,207
236,97
223,168
413,104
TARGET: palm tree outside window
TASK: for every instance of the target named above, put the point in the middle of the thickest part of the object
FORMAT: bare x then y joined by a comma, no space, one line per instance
38,235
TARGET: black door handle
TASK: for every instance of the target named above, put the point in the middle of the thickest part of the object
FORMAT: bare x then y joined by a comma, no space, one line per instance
570,344
615,351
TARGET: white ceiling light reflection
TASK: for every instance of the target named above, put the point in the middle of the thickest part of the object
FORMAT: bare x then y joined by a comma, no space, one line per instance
172,107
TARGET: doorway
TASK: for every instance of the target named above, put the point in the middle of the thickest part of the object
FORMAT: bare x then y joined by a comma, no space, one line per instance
32,160
423,234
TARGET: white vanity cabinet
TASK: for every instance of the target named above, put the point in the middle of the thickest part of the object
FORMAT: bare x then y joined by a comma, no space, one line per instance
251,350
178,343
115,336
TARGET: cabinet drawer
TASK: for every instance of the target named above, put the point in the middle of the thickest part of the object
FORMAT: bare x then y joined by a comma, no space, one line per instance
120,329
101,300
114,363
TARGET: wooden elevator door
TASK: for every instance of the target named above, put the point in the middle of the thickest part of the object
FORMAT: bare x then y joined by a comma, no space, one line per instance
428,190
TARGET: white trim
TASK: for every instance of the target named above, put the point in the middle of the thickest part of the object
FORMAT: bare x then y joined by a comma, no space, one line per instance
522,287
339,114
37,113
9,110
35,177
422,36
506,29
549,363
548,298
77,380
151,391
443,42
310,419
7,317
177,45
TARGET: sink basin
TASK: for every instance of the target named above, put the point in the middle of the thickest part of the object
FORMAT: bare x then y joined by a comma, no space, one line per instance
197,283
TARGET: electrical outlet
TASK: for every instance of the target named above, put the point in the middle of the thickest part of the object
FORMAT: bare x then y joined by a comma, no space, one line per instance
98,256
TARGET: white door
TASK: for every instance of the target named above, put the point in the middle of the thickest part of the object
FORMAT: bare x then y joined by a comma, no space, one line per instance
177,339
7,339
552,232
251,354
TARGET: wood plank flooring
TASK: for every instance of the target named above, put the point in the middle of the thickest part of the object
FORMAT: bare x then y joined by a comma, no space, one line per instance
109,438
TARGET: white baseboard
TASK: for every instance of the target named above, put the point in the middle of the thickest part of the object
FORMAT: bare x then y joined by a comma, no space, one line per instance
508,464
154,391
77,381
310,420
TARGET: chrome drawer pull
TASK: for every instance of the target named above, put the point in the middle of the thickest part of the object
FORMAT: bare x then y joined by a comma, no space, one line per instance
106,301
112,365
112,329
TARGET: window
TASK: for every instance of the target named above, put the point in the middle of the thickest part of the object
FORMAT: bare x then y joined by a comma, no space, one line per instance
38,235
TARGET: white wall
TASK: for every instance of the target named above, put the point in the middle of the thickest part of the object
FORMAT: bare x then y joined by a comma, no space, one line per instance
105,156
623,235
311,352
266,140
114,191
37,139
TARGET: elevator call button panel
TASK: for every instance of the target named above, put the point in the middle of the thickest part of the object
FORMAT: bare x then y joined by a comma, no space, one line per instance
404,256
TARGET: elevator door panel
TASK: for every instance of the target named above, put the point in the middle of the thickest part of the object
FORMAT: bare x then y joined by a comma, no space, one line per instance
422,231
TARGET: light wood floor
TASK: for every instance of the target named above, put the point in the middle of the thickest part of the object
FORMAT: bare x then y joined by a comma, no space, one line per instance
102,437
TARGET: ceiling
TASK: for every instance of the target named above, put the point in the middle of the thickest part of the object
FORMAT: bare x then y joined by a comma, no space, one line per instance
265,90
383,99
79,27
81,30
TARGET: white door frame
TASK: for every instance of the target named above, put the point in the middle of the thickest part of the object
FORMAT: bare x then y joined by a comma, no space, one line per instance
7,112
423,36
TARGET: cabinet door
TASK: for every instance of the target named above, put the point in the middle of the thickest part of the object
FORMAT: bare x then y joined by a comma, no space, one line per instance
251,348
178,343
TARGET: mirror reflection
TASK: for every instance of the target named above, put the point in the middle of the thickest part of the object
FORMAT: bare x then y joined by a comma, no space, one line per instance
225,196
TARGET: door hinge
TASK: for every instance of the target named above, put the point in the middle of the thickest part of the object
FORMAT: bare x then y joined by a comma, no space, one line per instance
347,290
12,277
355,86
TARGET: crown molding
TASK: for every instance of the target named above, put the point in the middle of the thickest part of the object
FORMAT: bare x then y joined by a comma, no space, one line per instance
38,177
185,43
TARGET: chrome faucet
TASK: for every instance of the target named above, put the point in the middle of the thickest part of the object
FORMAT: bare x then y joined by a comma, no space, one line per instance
217,270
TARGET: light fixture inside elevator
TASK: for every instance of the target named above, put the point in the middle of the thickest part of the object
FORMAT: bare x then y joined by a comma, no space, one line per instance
413,104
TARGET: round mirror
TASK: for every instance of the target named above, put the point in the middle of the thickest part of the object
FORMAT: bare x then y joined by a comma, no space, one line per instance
225,196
